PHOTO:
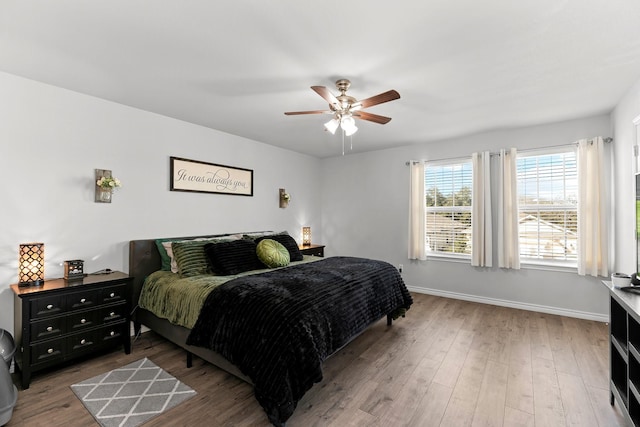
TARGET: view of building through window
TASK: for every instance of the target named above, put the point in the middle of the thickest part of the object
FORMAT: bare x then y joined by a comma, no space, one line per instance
448,194
547,207
547,204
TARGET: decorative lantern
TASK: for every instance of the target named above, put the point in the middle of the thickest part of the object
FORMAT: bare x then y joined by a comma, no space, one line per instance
31,264
306,236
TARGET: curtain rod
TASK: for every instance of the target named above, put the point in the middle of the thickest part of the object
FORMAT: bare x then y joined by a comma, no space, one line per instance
607,140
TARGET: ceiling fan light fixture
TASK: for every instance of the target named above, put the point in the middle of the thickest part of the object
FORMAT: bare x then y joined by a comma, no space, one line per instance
347,121
331,126
350,130
343,107
348,125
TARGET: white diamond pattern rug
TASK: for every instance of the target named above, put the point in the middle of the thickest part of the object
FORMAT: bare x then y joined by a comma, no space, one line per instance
131,395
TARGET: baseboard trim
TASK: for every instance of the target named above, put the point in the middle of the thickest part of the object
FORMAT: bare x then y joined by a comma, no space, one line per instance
598,317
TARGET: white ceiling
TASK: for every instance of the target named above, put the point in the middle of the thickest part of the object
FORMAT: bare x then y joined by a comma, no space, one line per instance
460,66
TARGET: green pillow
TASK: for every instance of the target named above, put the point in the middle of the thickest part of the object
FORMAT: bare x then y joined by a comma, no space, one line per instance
190,257
272,254
168,260
165,258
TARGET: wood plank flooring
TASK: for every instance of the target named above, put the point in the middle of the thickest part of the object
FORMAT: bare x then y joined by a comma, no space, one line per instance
448,363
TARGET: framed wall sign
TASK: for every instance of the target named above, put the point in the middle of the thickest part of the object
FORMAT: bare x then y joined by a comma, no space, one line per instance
203,177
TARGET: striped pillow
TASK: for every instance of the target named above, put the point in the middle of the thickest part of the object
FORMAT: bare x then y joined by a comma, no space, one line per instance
190,257
228,258
166,252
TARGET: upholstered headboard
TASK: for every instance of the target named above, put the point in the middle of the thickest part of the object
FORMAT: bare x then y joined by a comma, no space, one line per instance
144,259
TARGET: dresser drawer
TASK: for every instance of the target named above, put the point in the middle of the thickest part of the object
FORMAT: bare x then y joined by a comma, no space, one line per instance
111,333
80,300
114,294
47,306
82,342
83,320
47,328
48,351
114,313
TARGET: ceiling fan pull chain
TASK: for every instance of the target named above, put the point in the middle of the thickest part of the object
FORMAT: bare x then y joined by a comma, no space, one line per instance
343,142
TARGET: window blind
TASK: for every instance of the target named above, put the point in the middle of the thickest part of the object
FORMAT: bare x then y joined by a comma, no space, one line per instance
547,204
448,198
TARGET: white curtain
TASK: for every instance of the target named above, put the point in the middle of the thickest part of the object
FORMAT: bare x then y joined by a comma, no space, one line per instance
417,232
593,208
508,241
481,240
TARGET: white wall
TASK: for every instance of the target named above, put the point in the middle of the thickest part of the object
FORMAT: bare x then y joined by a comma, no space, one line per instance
365,200
51,141
624,171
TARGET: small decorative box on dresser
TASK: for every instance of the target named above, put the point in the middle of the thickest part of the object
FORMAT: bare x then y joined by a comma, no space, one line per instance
316,250
624,334
65,319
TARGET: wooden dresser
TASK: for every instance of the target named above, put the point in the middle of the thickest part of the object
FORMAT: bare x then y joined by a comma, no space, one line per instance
66,319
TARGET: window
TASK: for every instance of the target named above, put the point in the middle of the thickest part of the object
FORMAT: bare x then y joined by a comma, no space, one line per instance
547,206
448,208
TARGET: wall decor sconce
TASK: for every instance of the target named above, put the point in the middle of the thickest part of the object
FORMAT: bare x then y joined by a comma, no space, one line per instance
31,264
306,236
105,185
285,198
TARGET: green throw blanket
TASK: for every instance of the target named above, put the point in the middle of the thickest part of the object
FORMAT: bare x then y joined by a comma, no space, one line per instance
179,299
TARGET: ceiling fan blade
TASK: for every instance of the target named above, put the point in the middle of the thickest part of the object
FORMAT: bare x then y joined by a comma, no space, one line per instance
387,96
326,94
371,117
294,113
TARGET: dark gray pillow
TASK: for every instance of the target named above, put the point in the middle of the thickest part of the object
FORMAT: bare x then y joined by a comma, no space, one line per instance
228,258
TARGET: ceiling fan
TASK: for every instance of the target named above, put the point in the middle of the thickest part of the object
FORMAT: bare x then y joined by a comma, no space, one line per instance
345,108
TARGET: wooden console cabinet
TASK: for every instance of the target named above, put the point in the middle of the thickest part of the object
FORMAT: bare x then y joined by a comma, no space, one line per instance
66,319
624,334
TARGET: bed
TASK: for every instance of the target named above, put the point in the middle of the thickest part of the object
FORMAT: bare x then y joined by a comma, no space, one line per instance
272,327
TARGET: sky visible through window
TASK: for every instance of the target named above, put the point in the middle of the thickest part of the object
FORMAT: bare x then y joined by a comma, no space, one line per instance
548,179
449,179
541,179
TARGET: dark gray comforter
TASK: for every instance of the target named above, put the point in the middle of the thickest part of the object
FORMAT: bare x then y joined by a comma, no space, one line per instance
278,327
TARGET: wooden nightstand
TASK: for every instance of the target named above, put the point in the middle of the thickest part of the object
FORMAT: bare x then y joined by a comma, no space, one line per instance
65,319
316,250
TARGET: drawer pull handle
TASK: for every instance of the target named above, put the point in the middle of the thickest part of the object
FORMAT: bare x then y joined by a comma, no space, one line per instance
50,351
83,300
49,307
112,333
83,321
112,314
112,294
49,328
82,341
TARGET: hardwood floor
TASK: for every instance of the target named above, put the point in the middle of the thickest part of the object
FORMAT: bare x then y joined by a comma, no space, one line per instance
448,363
